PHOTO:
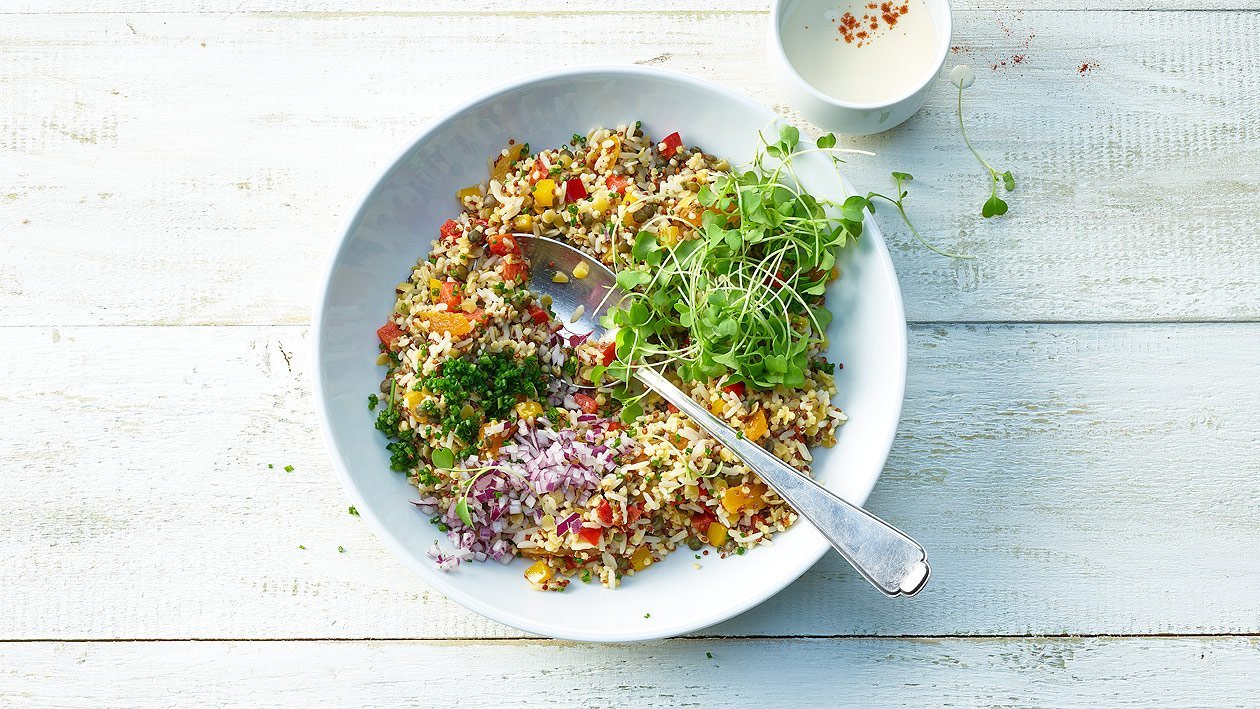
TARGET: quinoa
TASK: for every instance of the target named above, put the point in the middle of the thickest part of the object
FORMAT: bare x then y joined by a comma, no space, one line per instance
508,457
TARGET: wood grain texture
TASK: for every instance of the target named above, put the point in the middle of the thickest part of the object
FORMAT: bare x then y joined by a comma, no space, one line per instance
1026,672
1066,480
335,9
178,183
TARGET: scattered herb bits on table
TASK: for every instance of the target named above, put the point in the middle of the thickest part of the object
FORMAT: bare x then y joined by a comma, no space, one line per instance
726,271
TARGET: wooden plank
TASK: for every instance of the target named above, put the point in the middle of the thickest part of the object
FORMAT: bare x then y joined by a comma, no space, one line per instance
1065,479
1008,672
336,9
187,184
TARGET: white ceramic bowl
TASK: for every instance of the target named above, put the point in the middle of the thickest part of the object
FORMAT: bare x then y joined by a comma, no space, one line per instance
848,117
392,226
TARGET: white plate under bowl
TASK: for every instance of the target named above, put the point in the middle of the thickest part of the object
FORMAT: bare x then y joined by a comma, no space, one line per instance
393,225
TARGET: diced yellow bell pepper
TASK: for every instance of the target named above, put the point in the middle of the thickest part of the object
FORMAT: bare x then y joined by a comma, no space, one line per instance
718,407
670,235
600,203
411,400
539,573
582,270
529,410
435,284
504,162
467,192
756,426
641,559
544,194
744,497
523,222
717,534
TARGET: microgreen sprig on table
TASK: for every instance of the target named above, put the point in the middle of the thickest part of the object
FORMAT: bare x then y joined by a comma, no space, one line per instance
898,202
963,77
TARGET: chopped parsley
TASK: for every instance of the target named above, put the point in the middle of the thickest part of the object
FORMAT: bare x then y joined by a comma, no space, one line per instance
709,655
288,468
373,400
341,550
353,511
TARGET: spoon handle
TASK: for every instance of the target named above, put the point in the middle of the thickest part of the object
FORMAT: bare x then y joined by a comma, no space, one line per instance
893,562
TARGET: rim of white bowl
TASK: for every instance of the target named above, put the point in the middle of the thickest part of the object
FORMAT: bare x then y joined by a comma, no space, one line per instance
942,51
438,579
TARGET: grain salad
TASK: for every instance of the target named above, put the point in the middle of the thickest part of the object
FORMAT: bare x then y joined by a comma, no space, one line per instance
480,408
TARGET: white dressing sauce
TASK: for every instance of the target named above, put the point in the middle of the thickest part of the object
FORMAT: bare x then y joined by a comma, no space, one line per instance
860,54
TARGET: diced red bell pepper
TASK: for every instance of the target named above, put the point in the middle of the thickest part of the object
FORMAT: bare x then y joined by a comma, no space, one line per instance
633,513
700,522
590,535
389,334
538,315
737,389
477,316
450,230
450,295
670,144
574,189
672,409
586,403
617,183
515,271
503,244
607,353
604,512
616,426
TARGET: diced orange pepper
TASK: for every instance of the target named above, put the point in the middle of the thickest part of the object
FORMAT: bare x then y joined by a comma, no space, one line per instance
756,426
744,497
457,324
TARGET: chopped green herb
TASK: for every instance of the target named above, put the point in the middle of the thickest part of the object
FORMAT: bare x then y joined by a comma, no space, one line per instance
341,550
373,400
709,655
288,468
739,551
270,466
353,511
586,575
647,615
301,546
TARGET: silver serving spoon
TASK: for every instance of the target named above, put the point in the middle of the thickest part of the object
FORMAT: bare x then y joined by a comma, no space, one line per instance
893,562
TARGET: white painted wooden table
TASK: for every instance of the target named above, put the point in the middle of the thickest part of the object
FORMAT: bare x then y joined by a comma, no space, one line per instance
1078,449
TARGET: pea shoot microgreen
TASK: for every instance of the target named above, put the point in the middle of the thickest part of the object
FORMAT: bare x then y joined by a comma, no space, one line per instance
963,77
898,179
744,300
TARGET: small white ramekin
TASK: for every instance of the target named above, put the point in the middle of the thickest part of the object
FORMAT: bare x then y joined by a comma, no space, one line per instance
833,114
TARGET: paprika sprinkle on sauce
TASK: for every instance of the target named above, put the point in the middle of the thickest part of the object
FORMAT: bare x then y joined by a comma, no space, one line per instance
869,26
